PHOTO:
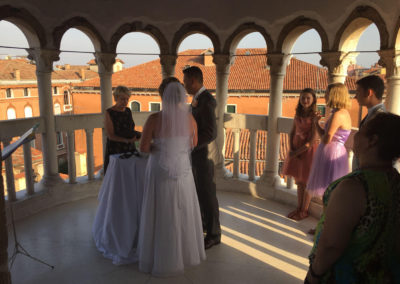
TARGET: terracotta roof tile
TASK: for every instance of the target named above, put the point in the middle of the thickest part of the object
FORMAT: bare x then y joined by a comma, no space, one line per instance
247,73
261,146
28,71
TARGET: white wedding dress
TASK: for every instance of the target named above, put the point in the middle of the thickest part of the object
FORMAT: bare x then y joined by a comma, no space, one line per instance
170,235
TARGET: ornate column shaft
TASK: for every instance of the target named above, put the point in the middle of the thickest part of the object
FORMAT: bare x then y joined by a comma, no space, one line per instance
168,62
390,59
337,63
44,59
278,63
105,63
222,63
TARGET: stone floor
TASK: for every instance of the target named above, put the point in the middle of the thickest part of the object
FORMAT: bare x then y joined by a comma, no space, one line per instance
259,245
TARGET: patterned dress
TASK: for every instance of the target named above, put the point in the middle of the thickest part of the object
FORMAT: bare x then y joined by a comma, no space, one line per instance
370,256
124,126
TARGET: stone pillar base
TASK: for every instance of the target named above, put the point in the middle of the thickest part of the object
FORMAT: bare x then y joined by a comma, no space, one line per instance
268,183
51,181
222,172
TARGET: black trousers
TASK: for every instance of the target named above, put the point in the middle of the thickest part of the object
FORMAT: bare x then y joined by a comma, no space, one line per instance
203,172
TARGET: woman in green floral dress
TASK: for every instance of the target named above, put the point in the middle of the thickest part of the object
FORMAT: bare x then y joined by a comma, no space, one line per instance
358,236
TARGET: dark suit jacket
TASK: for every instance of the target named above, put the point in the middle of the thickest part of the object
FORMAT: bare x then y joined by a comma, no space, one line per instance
204,114
379,109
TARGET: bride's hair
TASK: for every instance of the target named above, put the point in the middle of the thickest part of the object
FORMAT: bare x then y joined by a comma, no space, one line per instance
164,84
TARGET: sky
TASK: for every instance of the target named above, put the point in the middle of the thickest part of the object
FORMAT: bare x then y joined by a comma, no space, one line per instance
75,40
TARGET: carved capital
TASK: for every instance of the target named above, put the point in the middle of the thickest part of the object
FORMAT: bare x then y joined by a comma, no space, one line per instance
43,58
390,59
277,63
105,61
223,62
337,62
89,131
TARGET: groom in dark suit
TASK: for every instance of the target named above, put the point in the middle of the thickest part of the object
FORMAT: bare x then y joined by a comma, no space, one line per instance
369,93
203,110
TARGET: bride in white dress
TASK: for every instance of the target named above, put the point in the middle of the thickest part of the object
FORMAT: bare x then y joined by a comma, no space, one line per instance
170,235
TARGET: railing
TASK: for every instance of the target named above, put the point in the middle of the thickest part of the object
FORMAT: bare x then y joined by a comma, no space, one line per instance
88,122
253,123
70,123
9,130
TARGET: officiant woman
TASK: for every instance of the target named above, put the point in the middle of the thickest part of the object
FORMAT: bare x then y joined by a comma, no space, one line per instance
119,125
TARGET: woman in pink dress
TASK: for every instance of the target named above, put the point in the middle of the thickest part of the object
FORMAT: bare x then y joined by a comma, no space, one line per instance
303,143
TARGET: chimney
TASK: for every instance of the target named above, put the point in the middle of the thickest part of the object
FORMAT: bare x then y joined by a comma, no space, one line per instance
208,59
17,75
83,76
67,66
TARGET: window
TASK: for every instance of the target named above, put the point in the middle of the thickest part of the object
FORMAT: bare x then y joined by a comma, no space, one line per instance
135,106
57,109
9,93
231,108
66,98
321,109
11,113
155,106
59,138
28,111
26,92
55,90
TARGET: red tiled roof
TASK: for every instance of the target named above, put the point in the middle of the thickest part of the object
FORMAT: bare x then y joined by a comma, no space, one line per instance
28,71
261,146
18,156
247,73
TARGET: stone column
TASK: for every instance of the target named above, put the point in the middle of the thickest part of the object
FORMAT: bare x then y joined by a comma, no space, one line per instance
253,154
30,188
5,276
277,63
44,59
168,62
89,154
10,174
390,59
222,63
105,62
71,156
337,63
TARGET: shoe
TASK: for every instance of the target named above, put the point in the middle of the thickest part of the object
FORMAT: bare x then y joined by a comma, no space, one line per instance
209,242
311,231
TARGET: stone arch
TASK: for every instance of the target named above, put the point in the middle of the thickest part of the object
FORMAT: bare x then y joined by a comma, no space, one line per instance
243,30
150,30
291,31
84,26
28,24
192,28
348,35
